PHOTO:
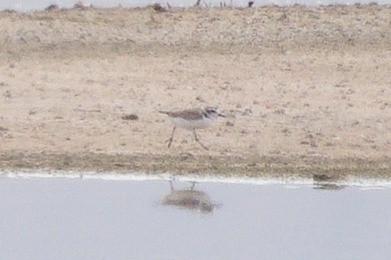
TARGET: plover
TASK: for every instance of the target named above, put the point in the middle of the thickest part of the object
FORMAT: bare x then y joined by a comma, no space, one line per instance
192,119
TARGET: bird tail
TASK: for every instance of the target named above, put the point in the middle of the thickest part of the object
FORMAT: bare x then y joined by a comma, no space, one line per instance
163,112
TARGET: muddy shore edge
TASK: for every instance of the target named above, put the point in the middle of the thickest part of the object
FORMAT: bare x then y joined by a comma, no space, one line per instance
186,163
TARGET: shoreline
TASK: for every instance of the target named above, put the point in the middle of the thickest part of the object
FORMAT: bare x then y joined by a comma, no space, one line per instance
314,182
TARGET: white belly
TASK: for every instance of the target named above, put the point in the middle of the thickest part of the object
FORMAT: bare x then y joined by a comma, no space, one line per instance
206,122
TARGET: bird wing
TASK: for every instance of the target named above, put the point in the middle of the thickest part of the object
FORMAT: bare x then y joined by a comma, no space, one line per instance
191,114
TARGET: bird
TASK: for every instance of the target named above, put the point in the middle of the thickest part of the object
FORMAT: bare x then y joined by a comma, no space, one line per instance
192,119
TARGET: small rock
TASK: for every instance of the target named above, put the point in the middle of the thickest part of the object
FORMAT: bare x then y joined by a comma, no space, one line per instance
186,156
79,5
7,94
355,123
198,98
247,111
130,117
229,123
158,8
309,135
322,177
52,7
279,111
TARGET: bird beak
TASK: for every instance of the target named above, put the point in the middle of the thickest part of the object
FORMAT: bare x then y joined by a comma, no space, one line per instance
222,115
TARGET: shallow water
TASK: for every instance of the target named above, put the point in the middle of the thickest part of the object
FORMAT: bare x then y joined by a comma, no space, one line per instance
28,5
59,218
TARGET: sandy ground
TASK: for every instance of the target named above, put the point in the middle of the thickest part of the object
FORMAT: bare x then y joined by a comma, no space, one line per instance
301,87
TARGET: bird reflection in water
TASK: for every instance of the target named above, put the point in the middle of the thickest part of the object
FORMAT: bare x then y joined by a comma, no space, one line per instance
190,199
325,182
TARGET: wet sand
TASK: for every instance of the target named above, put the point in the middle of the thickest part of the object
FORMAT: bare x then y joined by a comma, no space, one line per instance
305,90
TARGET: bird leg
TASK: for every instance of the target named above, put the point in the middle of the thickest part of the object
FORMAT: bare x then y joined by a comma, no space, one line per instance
198,141
171,186
169,140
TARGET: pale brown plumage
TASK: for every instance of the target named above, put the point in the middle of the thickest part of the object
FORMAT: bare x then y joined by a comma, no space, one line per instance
190,114
192,119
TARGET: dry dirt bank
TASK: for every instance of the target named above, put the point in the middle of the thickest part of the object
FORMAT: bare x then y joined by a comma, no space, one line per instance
305,90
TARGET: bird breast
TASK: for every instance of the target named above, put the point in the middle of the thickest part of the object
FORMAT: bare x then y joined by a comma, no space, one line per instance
200,123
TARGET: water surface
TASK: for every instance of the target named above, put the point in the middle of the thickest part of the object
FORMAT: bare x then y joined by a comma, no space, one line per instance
57,218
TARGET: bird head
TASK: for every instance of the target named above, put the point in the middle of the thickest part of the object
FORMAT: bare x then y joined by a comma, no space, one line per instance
213,112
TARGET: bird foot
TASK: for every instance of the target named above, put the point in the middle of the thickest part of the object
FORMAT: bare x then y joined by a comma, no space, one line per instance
202,145
169,141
